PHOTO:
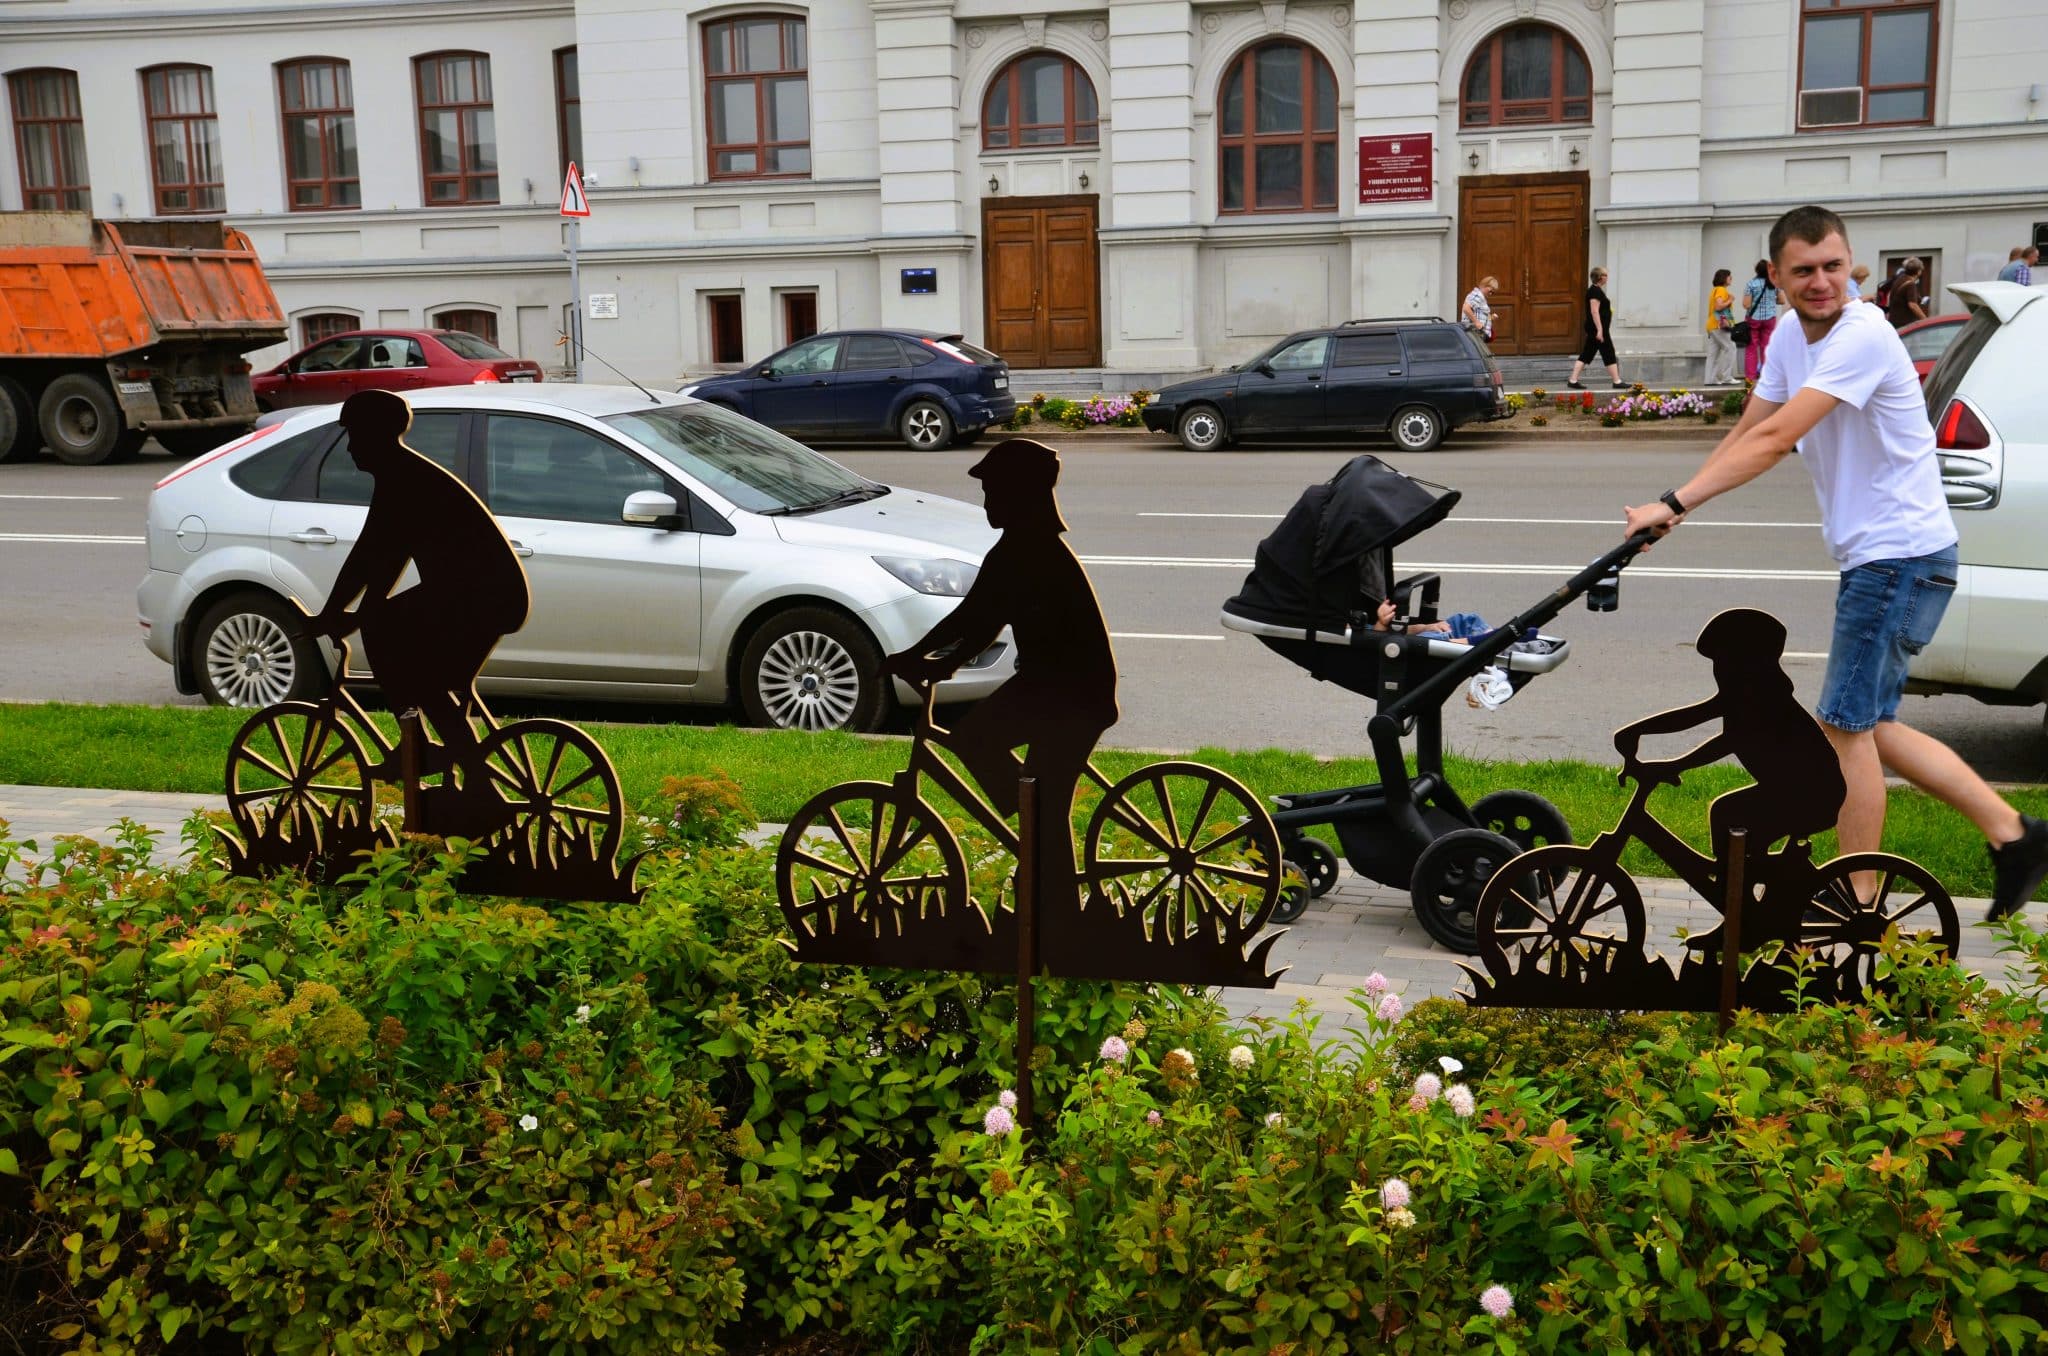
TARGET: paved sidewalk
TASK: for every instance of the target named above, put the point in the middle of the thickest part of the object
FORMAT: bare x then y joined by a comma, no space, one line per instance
1354,930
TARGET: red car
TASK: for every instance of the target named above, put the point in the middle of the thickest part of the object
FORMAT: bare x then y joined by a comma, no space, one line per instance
1926,340
386,360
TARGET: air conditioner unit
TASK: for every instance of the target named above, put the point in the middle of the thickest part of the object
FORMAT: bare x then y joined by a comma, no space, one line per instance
1831,107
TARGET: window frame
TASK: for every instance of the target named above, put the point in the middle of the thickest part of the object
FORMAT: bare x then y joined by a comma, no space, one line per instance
1490,47
67,195
721,28
563,101
732,304
439,320
328,117
1248,141
209,113
309,335
1009,78
466,176
1869,10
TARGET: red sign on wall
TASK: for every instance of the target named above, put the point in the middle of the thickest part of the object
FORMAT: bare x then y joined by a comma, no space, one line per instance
1397,169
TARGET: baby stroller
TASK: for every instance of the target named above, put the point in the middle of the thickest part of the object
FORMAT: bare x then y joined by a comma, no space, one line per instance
1312,597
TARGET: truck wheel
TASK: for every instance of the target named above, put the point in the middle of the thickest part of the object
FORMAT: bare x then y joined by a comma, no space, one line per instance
18,436
82,423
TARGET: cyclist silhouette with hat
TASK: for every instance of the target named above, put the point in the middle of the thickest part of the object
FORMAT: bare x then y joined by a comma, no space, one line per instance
428,643
1798,779
1064,693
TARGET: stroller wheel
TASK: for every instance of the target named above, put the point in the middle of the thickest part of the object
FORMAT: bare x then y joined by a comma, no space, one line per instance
1527,818
1448,879
1295,893
1316,861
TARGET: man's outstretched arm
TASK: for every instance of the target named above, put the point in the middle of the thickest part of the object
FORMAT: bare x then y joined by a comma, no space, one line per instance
1763,438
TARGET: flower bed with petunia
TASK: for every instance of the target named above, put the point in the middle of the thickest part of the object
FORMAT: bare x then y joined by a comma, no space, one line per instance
1091,412
244,1116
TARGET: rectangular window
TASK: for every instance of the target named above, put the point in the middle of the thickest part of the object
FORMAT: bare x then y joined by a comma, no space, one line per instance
568,108
757,97
458,129
184,140
1865,63
799,316
49,139
1367,350
318,103
728,339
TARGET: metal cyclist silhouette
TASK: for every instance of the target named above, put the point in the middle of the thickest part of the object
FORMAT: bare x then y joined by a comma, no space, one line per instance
1180,866
540,795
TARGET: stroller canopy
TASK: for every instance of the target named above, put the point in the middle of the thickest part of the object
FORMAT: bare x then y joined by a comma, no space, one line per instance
1333,554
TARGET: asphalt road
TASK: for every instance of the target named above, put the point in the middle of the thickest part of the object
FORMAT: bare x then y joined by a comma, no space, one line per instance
1167,536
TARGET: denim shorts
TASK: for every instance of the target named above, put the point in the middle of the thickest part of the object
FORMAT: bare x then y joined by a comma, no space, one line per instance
1885,613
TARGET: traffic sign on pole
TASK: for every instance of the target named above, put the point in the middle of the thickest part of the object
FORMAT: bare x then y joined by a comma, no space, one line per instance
574,204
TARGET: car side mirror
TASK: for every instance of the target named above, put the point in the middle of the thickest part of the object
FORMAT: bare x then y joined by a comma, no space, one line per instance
651,508
1263,366
767,373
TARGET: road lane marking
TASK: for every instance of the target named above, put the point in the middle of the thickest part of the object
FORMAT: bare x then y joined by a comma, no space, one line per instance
1157,635
1634,571
72,538
69,498
1517,522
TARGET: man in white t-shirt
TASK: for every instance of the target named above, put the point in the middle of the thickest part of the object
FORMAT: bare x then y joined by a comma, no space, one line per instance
1839,388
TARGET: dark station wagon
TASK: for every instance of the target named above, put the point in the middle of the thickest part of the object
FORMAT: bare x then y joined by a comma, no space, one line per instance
1413,379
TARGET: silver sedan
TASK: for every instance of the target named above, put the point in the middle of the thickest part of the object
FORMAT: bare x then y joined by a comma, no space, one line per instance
676,552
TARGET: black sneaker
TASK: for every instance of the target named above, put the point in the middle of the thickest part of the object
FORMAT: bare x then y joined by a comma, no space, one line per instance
1575,385
2018,868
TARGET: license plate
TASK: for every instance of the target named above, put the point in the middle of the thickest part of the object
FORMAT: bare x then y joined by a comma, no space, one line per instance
134,387
1002,383
522,376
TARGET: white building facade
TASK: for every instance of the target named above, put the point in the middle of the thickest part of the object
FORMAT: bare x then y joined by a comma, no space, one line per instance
1146,186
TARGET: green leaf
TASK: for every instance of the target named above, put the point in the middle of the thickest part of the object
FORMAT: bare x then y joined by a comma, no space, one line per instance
1910,1255
156,1105
9,1164
33,1037
1677,1191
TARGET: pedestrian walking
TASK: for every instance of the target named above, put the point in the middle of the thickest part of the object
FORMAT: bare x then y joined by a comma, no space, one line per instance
2020,268
1840,389
1858,276
1760,301
1720,323
1901,296
1477,312
1599,333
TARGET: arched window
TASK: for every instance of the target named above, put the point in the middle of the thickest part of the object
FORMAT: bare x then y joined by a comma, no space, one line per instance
458,128
482,324
184,139
1277,131
49,139
319,134
1040,99
325,325
757,83
1527,74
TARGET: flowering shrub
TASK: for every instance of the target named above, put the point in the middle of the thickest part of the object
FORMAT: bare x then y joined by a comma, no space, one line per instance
1640,405
1731,404
1515,402
1578,402
1538,393
1538,421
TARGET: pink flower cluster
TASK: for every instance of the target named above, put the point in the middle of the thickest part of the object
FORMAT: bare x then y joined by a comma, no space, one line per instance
1655,406
1115,1051
1497,1301
1105,409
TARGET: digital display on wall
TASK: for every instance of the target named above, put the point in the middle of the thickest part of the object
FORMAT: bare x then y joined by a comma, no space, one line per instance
1397,169
920,280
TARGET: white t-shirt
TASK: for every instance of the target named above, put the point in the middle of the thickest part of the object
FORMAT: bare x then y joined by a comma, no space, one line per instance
1872,457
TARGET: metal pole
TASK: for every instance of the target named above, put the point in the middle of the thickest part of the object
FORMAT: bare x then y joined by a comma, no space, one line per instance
1731,924
1027,939
575,299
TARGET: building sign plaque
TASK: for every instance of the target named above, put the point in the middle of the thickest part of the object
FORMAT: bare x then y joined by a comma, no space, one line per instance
1396,169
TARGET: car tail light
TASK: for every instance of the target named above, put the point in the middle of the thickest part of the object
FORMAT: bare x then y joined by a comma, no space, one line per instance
219,452
483,377
136,374
1961,430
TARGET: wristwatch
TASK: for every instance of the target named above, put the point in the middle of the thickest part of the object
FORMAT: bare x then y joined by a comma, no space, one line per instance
1670,500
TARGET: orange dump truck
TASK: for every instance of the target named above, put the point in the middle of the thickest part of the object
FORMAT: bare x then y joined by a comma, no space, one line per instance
113,331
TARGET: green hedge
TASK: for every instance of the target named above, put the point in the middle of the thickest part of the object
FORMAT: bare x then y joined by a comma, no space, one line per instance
404,1119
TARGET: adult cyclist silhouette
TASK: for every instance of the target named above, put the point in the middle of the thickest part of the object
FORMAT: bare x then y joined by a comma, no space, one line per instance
428,643
1798,779
1064,693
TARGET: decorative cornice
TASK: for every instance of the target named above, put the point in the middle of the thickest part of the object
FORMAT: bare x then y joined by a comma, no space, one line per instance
364,14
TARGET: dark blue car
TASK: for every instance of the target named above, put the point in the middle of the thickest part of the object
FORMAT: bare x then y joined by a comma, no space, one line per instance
930,390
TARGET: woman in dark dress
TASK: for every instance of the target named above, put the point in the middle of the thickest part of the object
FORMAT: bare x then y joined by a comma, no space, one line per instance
1599,333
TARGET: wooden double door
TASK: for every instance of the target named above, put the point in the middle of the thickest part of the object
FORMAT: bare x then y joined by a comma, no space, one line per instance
1041,286
1529,231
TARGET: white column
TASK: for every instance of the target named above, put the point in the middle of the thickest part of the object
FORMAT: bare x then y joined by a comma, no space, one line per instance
1397,249
1152,112
917,95
1659,48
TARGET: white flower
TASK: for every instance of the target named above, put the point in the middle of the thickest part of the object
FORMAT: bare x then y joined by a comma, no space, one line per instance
1460,1098
1240,1057
998,1122
1451,1066
1274,1120
1007,1099
583,1014
1429,1086
1394,1193
1184,1053
529,1122
1375,984
1401,1217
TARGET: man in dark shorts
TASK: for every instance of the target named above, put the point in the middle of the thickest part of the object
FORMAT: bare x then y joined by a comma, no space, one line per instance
1599,333
1840,388
428,643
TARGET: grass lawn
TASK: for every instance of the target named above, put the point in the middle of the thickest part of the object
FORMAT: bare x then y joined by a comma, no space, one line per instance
153,748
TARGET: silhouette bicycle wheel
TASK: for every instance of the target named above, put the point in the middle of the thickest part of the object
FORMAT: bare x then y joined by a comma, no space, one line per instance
296,779
1845,932
1561,912
562,797
857,857
1187,847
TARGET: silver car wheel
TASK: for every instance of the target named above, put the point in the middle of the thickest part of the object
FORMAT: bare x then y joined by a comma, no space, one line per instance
1417,429
1201,429
250,660
808,681
924,427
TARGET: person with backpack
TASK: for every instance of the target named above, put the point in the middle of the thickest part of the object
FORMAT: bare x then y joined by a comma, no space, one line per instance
1720,324
1900,294
1760,302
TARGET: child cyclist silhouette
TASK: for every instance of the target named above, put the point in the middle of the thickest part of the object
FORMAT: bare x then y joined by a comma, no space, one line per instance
1798,786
